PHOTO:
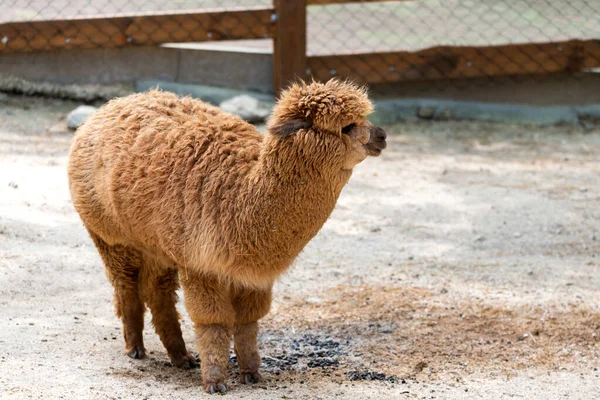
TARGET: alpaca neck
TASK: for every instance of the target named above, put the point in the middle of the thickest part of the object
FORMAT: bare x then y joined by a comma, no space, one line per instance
293,192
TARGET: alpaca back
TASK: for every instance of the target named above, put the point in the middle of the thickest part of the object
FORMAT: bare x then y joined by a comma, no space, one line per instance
146,169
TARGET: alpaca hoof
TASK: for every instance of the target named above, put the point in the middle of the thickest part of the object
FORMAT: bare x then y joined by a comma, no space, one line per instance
250,377
186,362
136,352
215,388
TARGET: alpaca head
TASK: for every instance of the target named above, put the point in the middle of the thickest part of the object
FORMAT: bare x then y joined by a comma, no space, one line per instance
330,115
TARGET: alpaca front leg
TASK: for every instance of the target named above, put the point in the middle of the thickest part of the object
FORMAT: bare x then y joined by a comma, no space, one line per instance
246,349
250,306
213,346
209,304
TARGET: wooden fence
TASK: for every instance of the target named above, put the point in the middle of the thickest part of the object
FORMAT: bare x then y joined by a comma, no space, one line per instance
286,22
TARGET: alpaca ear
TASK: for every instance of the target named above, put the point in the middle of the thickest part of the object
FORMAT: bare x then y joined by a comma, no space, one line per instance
289,127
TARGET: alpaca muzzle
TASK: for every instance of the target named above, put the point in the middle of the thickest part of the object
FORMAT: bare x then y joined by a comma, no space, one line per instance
376,141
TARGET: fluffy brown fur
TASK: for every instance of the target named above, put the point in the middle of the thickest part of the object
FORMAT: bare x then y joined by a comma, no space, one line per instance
172,189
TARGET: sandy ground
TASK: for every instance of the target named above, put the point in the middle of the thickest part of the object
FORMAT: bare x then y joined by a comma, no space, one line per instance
462,264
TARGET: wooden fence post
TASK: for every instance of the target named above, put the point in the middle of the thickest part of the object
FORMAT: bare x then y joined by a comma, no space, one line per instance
289,44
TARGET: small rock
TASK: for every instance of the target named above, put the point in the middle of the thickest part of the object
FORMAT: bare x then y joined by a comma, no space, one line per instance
517,234
376,229
247,107
13,185
479,239
425,112
3,97
583,190
593,236
79,115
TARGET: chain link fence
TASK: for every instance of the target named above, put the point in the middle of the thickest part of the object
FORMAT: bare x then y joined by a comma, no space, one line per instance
35,25
456,39
373,42
35,10
420,24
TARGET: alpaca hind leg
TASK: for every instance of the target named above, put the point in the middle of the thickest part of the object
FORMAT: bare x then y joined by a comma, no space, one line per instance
250,306
122,266
159,286
208,302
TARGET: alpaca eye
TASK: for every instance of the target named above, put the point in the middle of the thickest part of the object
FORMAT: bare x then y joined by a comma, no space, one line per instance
346,130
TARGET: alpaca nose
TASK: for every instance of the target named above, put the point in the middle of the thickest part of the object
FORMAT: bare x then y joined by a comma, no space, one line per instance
377,142
378,134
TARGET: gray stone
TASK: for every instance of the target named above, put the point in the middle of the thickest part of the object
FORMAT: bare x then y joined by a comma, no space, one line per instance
79,115
247,107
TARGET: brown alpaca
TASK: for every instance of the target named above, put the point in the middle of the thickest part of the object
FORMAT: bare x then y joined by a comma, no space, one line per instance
172,189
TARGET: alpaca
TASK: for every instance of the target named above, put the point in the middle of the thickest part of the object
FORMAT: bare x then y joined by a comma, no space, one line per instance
173,190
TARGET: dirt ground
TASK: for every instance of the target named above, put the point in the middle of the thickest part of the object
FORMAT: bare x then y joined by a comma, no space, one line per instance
462,264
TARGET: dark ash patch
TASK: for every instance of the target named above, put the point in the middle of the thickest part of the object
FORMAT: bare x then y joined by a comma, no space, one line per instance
370,376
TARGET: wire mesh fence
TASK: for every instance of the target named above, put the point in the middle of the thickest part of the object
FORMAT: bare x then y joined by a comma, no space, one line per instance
34,10
34,25
416,25
439,39
374,42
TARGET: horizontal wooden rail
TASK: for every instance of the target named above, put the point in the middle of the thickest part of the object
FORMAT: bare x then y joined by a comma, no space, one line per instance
449,62
119,31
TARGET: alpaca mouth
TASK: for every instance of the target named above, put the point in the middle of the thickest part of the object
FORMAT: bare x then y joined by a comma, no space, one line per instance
374,148
376,142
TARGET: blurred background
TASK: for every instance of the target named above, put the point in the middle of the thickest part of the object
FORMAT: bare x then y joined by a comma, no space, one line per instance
535,52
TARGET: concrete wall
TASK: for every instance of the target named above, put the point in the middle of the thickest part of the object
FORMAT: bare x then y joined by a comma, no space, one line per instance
236,70
535,90
250,69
